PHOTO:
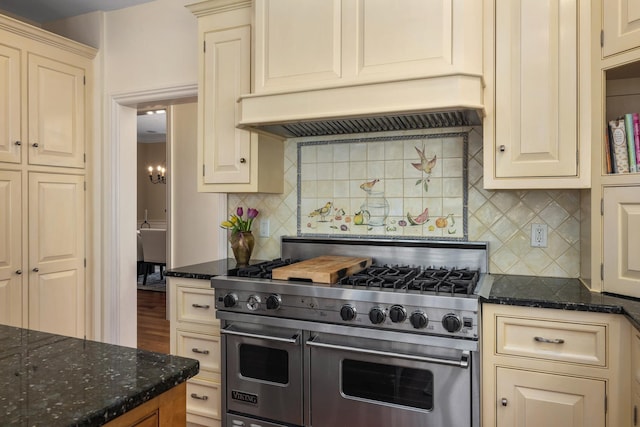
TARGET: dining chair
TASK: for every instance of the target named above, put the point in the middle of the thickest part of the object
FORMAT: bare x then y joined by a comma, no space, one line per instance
154,250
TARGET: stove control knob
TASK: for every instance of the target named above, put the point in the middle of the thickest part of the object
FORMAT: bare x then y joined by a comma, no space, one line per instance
419,320
253,302
451,322
377,315
230,300
397,314
348,312
273,302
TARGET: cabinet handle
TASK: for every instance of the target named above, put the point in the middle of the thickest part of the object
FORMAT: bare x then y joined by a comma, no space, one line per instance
196,350
503,148
36,269
549,341
195,396
18,272
18,143
34,145
504,401
243,160
206,306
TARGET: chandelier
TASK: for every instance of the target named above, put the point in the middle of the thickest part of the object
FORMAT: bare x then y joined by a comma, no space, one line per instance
159,178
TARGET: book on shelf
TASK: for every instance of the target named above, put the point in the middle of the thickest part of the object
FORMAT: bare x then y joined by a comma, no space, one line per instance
631,144
636,138
607,152
619,146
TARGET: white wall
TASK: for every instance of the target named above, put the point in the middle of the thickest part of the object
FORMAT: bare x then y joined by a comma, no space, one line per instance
148,52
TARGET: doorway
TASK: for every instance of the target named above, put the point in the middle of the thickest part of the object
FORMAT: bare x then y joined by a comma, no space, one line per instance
151,220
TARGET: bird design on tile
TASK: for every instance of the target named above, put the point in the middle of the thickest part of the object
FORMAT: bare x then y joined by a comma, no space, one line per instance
368,186
425,166
322,212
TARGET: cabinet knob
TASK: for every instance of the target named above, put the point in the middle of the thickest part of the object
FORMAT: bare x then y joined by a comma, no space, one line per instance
504,402
18,143
35,145
18,272
243,160
36,269
503,148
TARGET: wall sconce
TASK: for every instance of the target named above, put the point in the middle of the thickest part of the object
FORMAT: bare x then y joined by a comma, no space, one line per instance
160,178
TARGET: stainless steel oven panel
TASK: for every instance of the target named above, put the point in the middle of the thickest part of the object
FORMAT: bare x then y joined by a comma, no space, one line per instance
264,372
447,399
234,420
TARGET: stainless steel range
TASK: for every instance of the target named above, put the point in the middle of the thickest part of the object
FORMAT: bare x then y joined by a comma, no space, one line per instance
395,344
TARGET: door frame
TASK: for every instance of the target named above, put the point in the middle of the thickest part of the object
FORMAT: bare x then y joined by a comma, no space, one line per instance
115,299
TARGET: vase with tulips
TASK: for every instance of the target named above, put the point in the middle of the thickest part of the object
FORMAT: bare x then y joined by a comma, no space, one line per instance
241,238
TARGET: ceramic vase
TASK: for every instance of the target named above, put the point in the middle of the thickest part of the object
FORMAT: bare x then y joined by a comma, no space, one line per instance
242,243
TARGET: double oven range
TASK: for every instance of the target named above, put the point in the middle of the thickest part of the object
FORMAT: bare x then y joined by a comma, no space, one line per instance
394,345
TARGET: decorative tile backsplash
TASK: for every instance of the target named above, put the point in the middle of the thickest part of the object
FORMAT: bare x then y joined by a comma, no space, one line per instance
414,186
503,218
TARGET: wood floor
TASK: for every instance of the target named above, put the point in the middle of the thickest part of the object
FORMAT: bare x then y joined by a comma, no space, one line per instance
153,326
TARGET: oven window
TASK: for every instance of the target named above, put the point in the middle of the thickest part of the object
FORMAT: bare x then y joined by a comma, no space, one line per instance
388,383
264,363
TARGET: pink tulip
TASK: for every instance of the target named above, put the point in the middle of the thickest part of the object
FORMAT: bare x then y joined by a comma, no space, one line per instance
239,211
252,213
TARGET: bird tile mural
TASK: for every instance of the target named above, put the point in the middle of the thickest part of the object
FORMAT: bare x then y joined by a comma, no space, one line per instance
408,186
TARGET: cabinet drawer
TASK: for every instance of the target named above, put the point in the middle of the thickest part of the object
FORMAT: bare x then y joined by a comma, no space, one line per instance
204,399
551,340
196,305
204,348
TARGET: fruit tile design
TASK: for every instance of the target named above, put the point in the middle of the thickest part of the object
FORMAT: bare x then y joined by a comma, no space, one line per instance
396,186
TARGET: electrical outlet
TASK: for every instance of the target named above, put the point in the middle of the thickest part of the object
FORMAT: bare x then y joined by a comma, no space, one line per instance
539,235
264,228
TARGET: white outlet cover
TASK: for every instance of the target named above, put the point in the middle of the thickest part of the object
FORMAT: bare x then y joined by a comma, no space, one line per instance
539,235
264,228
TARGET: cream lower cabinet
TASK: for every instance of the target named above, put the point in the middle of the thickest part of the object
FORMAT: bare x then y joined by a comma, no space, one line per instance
537,131
230,160
47,292
195,333
635,376
547,367
11,268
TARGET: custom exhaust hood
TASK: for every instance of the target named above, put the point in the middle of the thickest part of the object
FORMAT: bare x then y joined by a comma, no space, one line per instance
423,103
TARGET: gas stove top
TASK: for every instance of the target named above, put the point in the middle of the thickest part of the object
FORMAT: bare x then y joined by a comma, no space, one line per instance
402,291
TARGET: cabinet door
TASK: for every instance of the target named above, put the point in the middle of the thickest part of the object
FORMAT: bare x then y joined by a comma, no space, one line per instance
226,149
56,253
621,25
635,376
532,399
536,83
10,104
10,248
621,226
56,113
298,44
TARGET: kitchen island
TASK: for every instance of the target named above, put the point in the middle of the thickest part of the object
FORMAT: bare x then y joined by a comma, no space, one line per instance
53,380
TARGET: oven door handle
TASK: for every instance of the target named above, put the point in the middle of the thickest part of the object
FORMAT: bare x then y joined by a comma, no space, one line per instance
228,331
462,363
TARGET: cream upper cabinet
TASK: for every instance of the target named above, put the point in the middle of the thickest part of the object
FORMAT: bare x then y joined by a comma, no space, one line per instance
323,43
621,228
11,269
10,105
56,113
537,69
558,368
230,159
57,253
621,26
612,207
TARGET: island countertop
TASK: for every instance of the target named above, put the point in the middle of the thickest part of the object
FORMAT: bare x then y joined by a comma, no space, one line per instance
53,380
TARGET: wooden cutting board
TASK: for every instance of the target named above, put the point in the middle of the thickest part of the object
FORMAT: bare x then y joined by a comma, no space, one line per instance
323,269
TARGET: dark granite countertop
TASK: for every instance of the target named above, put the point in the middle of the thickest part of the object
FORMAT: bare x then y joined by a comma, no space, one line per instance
206,270
52,380
559,293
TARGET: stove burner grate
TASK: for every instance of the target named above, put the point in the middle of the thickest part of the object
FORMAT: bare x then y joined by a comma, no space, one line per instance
435,280
262,270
